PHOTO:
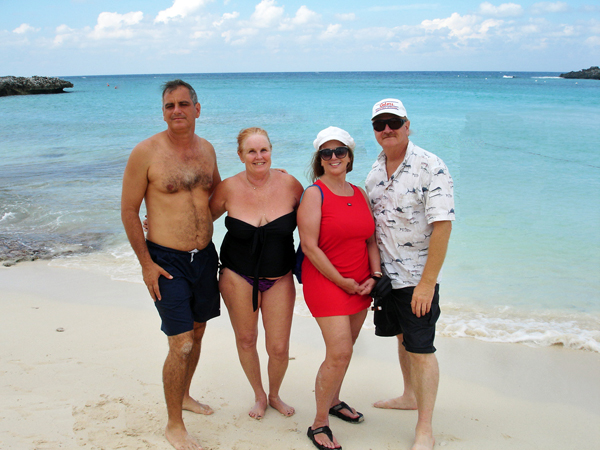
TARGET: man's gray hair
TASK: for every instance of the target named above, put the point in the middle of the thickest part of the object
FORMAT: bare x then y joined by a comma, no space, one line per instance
170,86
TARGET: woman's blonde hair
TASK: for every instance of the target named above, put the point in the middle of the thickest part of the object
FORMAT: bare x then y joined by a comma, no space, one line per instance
246,133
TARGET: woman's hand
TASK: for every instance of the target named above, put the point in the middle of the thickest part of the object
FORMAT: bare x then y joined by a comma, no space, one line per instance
349,285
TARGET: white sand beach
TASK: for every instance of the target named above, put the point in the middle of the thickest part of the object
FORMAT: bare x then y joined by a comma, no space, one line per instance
81,358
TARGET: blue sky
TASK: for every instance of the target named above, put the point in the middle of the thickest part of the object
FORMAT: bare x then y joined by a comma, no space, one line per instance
97,37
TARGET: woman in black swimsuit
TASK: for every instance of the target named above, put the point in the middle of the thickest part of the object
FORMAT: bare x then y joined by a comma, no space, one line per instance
257,255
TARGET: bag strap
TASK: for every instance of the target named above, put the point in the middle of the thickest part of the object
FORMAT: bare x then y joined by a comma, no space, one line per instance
315,184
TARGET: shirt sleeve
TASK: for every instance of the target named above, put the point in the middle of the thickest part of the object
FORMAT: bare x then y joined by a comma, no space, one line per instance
438,190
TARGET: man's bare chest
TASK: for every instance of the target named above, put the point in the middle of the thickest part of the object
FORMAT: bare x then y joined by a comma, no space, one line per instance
175,174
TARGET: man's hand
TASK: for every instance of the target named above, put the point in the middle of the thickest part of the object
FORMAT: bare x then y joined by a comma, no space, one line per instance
366,287
151,275
422,298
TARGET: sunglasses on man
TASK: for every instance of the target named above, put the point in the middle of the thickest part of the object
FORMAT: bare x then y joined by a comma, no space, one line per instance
327,153
394,124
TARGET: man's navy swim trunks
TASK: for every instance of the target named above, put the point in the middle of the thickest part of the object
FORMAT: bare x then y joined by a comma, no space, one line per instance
193,293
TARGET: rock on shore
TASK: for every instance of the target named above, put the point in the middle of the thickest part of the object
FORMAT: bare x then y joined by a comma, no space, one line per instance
593,73
33,85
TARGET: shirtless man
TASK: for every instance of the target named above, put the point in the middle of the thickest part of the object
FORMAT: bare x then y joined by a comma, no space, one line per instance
175,172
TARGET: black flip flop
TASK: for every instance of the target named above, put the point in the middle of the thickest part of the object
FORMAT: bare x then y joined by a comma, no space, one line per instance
327,431
337,412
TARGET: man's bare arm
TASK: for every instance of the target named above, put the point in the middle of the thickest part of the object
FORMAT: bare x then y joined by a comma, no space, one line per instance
135,183
438,245
216,175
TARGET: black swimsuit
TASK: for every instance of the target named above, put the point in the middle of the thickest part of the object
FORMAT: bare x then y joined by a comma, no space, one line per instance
259,252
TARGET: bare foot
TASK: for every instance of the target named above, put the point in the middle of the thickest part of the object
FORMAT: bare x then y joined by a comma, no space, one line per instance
397,403
282,407
423,443
179,438
258,410
189,404
424,439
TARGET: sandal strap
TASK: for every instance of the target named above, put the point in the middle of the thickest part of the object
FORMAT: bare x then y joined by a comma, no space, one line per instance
342,405
323,430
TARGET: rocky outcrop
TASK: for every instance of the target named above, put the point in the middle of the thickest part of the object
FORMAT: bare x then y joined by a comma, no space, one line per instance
15,249
33,85
593,73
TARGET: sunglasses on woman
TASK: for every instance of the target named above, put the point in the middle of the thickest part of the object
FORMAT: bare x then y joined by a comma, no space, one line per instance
327,153
394,124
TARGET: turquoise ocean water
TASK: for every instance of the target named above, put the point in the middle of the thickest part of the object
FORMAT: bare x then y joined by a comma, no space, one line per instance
524,258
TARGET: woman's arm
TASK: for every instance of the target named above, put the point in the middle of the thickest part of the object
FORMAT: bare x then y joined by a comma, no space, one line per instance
309,225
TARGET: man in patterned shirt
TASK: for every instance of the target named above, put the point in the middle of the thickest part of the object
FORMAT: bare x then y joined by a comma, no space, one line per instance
411,194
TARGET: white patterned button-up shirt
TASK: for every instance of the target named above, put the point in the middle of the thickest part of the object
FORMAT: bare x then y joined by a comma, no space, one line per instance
419,193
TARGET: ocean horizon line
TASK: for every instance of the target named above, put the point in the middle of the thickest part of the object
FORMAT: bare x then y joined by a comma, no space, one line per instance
316,72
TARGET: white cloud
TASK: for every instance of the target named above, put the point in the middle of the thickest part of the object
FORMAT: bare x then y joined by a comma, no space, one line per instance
457,24
304,16
462,27
504,10
63,34
266,14
548,7
593,41
346,17
332,31
25,28
487,25
225,17
114,25
180,8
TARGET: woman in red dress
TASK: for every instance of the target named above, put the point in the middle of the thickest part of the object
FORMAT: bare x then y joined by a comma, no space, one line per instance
341,260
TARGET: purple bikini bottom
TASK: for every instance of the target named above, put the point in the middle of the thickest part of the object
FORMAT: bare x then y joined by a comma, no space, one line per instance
263,284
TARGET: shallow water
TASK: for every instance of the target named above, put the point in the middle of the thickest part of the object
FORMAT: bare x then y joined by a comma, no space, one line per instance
523,263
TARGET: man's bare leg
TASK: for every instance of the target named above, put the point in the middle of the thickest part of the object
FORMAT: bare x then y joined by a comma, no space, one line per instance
175,373
190,404
407,400
425,377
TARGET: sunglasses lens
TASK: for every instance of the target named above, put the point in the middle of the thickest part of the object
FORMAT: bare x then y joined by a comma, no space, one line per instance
326,154
341,152
394,124
379,125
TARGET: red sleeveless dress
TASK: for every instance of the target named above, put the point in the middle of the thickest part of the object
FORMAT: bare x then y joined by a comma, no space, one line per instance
346,224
